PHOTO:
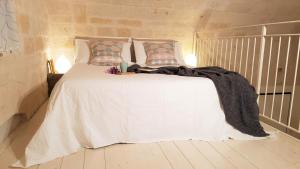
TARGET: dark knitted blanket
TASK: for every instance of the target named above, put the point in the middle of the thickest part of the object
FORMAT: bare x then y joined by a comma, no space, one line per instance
237,96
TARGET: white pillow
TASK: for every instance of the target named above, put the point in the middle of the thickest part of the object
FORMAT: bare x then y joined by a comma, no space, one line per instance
82,51
141,56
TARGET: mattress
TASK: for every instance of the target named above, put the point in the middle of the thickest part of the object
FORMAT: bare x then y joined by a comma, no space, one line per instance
91,108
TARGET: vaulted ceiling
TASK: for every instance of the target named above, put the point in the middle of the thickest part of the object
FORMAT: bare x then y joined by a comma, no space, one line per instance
224,13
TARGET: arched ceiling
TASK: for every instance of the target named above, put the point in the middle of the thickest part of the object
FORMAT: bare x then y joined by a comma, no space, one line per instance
226,13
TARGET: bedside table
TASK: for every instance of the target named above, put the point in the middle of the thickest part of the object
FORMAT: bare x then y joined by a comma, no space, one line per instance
52,79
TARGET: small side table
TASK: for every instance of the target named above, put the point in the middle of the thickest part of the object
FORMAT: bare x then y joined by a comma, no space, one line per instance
52,79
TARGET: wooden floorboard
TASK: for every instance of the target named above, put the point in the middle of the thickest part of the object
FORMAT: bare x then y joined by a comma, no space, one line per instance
231,155
94,159
135,156
281,149
176,159
260,156
219,161
194,156
54,164
73,161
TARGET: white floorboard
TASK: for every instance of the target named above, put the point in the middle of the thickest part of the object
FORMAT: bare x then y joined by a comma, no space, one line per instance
233,156
194,156
54,164
73,161
260,156
94,159
135,156
209,152
176,159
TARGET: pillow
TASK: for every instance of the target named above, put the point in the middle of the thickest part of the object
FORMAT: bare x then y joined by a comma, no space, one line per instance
105,52
160,53
82,51
141,55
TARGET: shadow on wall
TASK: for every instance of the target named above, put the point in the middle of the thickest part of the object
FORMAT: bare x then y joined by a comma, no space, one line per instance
26,131
33,100
7,128
27,109
30,104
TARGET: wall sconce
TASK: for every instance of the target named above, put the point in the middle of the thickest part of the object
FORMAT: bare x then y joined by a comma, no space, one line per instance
50,66
191,60
50,62
62,64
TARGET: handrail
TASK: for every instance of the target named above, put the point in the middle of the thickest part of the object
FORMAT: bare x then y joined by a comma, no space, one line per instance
210,49
254,25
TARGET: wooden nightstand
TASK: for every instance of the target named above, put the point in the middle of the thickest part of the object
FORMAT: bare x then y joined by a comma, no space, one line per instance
52,79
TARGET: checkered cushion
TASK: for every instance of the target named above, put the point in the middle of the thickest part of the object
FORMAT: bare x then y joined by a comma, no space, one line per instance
160,53
105,52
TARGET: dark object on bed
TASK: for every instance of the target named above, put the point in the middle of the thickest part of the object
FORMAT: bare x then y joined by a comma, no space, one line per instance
132,52
238,97
52,79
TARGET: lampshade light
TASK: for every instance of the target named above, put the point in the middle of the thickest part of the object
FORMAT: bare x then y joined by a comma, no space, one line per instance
191,60
62,65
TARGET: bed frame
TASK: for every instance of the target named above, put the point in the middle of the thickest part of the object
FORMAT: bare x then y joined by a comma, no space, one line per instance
268,56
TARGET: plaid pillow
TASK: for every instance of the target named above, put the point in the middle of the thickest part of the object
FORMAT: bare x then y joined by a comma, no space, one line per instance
105,52
160,53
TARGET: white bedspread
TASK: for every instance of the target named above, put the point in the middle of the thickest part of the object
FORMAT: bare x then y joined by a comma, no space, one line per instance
90,108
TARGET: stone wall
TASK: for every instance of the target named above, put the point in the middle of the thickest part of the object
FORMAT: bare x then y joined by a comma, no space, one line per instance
127,18
23,73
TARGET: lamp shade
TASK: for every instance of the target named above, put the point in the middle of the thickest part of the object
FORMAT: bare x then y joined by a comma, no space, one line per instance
191,60
62,65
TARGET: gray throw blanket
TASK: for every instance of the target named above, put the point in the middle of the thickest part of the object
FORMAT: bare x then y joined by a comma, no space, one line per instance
237,96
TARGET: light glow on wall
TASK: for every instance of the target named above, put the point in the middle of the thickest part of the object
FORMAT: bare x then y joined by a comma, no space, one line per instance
49,54
191,60
62,64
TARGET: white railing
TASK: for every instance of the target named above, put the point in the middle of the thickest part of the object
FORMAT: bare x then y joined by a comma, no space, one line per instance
268,56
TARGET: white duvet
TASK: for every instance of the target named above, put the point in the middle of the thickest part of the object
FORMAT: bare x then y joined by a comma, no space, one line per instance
90,108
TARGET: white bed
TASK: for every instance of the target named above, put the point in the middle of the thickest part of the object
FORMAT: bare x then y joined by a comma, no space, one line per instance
90,108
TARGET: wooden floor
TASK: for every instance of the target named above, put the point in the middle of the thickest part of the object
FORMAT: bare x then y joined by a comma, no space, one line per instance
279,152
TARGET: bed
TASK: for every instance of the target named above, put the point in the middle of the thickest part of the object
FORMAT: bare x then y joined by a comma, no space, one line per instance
91,108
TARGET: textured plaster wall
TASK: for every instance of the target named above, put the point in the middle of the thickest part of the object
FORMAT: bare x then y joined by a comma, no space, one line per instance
23,85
